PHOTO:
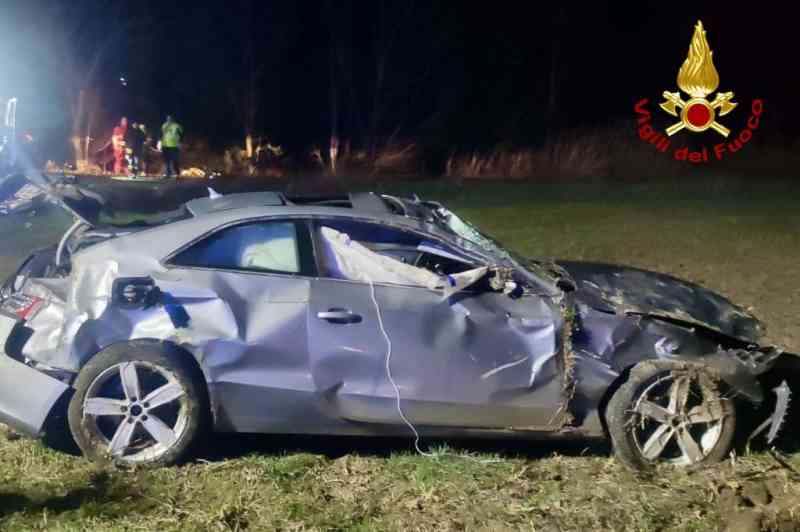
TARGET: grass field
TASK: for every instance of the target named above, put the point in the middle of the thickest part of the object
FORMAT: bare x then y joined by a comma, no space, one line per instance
741,241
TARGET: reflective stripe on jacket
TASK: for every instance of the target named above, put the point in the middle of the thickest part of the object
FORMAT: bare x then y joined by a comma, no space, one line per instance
171,133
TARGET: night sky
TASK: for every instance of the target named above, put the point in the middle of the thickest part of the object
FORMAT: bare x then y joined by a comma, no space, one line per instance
455,75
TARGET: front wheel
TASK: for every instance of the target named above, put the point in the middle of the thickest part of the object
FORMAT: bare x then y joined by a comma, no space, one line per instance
137,404
670,413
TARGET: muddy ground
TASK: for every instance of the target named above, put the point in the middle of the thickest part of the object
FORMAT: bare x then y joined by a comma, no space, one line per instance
742,240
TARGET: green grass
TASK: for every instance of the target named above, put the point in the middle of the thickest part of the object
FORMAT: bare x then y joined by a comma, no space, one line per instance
741,242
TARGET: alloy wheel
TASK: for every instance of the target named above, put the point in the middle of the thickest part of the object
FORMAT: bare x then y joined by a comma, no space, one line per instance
678,418
136,410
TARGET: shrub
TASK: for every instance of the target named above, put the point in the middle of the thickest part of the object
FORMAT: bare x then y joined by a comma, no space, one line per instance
572,156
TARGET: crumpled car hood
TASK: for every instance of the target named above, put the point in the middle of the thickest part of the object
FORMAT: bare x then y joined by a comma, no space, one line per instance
633,291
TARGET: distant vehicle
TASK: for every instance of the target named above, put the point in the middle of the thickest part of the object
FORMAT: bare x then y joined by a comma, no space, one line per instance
8,137
17,195
6,165
361,314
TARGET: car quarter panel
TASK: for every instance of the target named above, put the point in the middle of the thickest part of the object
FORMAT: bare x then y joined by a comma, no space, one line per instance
604,345
79,319
258,369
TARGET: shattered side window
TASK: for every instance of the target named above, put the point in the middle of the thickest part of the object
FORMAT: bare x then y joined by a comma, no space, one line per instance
258,246
389,242
404,246
371,233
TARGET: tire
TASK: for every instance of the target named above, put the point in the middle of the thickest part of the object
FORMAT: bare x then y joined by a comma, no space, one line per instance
110,424
649,427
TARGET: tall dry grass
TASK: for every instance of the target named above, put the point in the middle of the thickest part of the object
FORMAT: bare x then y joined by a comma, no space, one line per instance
396,159
613,153
572,156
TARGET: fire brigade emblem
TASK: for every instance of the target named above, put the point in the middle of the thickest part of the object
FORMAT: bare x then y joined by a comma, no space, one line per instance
698,78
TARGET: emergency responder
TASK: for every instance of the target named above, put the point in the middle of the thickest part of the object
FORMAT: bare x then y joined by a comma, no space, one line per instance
171,135
118,143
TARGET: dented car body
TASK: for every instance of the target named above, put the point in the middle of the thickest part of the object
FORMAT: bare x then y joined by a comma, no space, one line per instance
290,332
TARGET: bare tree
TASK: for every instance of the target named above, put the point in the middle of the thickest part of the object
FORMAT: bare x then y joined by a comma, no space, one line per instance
370,91
390,22
559,23
246,96
259,53
345,113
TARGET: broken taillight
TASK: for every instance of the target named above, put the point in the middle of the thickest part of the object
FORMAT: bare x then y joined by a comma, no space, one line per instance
23,306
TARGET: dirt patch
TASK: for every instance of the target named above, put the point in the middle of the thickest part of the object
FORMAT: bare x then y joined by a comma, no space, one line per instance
768,502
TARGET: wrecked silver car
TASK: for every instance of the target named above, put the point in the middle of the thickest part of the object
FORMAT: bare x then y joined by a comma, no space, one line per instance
363,314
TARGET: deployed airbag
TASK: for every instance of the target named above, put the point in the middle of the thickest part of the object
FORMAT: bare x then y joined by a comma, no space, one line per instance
348,259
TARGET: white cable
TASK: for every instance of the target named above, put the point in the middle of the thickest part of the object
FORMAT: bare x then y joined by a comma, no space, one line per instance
397,389
389,373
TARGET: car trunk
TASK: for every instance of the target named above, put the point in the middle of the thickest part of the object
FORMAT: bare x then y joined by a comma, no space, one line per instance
95,221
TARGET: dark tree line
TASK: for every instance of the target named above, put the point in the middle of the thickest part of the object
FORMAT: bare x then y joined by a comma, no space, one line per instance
447,75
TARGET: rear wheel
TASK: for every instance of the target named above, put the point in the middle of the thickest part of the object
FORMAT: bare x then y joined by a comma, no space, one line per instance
136,404
670,413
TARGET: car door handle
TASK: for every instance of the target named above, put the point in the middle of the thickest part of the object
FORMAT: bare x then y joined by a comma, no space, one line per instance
339,315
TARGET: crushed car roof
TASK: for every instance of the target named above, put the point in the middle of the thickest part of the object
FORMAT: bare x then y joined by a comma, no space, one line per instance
228,202
363,202
90,204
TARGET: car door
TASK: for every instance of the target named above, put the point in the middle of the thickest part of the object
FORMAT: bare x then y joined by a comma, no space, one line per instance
256,362
477,359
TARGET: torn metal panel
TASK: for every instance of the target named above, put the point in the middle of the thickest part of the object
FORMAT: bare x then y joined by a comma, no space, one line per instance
634,291
621,341
737,371
607,344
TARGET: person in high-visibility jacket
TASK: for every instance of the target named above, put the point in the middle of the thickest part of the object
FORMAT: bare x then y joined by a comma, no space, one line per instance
171,135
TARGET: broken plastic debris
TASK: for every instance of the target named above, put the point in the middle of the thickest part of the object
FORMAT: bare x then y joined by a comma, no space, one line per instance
459,281
783,393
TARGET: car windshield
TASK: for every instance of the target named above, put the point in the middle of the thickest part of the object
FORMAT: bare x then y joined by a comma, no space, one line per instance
465,230
488,245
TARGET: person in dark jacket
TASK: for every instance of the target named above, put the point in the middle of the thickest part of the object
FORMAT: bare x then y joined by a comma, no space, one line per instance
137,137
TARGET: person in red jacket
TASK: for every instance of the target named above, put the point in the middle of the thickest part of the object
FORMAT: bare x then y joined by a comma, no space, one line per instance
118,143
